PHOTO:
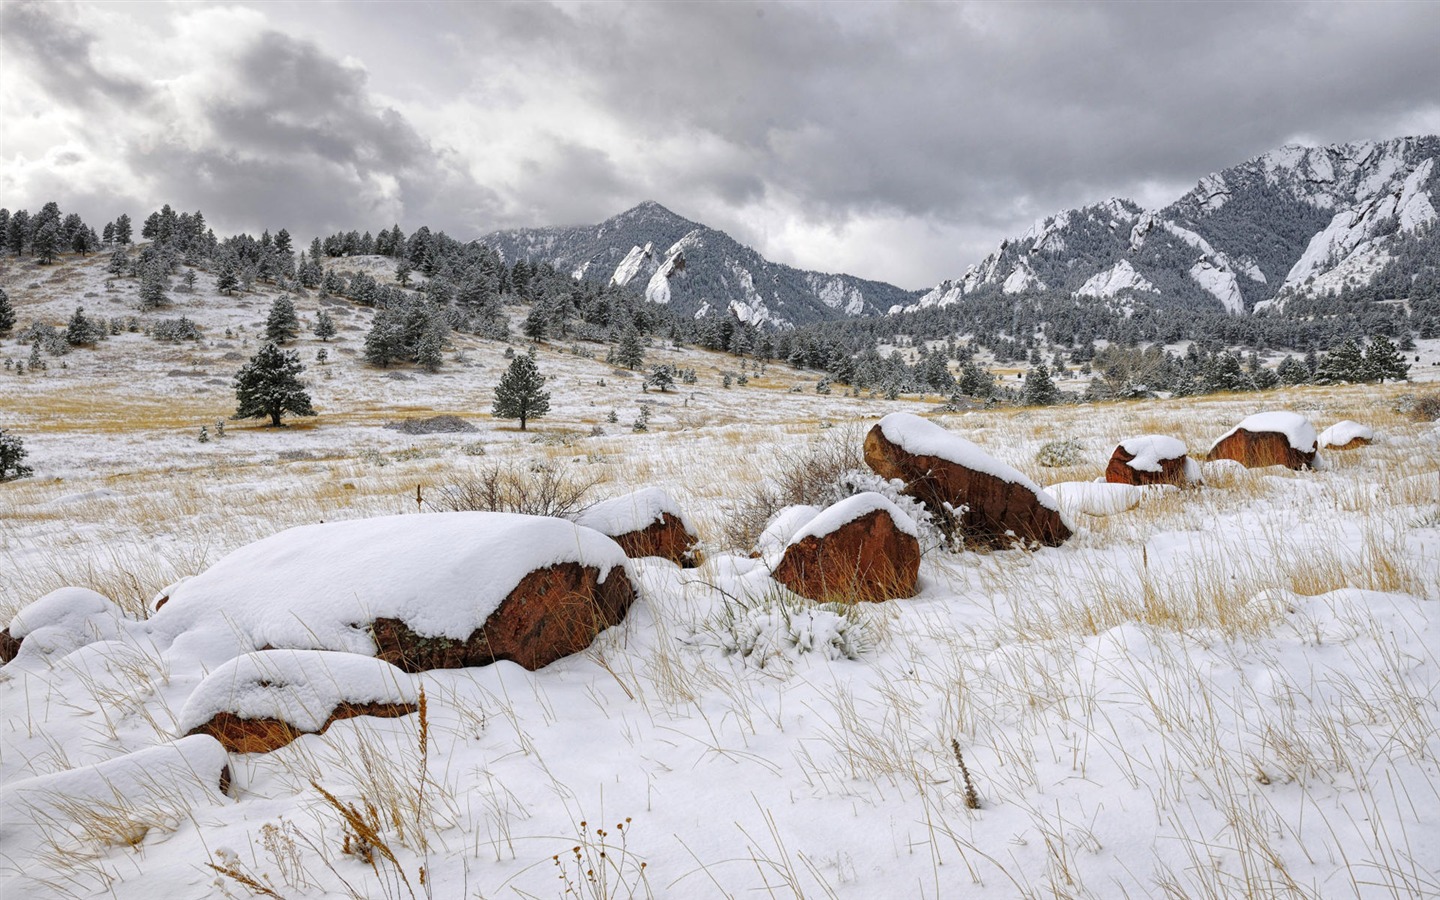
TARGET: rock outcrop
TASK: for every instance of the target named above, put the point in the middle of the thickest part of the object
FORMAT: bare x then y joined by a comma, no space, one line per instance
1001,506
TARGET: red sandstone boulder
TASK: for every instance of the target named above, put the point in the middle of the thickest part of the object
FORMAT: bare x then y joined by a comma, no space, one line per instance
9,646
646,523
1269,439
262,701
61,622
1001,505
419,591
1152,459
1346,435
863,548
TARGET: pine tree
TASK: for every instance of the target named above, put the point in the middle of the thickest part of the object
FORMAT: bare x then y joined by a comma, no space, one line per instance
324,326
12,451
1346,363
519,394
81,332
630,352
281,326
7,314
46,243
1292,371
122,229
228,280
661,378
153,287
537,323
1223,372
1039,389
431,345
1383,361
976,382
269,385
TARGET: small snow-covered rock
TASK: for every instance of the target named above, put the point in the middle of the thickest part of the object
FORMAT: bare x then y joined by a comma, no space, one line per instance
1152,459
946,472
62,621
1269,439
647,522
1346,435
262,701
131,795
862,548
1096,498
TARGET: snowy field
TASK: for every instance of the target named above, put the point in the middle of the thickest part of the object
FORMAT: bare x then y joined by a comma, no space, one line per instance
1225,691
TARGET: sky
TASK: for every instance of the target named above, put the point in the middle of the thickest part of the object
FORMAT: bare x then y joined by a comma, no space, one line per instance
895,141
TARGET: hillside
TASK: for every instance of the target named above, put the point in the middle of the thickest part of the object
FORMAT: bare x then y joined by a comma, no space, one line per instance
1294,222
697,270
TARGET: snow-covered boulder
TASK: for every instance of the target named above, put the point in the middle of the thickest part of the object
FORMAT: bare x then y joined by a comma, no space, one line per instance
1269,439
1152,459
262,701
117,802
62,621
1100,498
440,590
1346,435
862,548
646,523
994,504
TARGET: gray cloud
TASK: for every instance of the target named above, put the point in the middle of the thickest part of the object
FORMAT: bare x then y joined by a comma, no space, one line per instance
808,130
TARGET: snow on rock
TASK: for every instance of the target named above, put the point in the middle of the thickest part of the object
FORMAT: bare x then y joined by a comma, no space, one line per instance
782,527
1346,434
1148,450
647,522
1096,498
921,437
65,620
658,288
863,548
1220,283
119,801
990,502
630,266
1269,439
1119,277
1022,278
316,586
264,700
848,510
836,294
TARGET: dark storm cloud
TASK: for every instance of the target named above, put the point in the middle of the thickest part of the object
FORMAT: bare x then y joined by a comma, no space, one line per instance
821,127
954,110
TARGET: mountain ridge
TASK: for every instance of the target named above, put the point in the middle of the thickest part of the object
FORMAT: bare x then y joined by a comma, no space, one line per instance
696,269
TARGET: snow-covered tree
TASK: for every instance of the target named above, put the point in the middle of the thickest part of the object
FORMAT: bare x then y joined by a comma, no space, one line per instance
12,451
1039,389
1343,364
122,229
630,352
153,287
7,314
282,325
519,394
1383,361
269,385
324,326
82,332
661,378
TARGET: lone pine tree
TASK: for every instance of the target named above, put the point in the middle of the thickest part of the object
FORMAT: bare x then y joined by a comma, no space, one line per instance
269,385
12,451
282,325
519,394
7,314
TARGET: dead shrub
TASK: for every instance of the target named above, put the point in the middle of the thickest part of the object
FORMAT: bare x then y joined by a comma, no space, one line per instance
797,475
543,489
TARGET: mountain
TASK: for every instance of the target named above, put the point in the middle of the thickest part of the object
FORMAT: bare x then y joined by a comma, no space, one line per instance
1295,222
697,270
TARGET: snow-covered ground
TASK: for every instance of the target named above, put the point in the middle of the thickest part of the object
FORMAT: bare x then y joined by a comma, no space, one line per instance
1223,691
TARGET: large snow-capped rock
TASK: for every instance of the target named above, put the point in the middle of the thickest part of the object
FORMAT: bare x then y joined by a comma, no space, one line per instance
697,270
1295,221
